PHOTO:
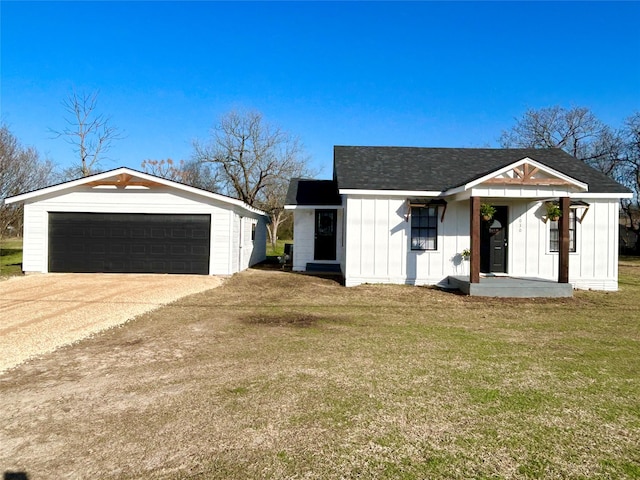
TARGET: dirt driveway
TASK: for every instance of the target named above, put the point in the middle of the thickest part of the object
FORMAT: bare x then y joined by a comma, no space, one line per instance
40,313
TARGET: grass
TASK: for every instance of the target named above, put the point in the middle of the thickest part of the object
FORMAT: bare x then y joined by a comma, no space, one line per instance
278,249
279,375
10,257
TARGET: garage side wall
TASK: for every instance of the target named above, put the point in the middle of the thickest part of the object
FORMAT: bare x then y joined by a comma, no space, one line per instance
254,246
224,235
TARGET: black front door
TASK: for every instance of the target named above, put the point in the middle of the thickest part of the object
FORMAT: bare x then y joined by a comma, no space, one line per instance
493,242
325,235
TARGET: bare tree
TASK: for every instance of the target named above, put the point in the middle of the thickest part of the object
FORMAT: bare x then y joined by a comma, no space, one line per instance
164,169
21,170
256,160
576,131
90,133
194,173
580,133
273,205
629,174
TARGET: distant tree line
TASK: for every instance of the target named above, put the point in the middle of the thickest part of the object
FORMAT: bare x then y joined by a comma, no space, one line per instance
21,170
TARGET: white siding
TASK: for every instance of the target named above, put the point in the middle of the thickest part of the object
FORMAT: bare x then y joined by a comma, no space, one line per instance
35,241
594,264
256,250
304,238
378,243
224,234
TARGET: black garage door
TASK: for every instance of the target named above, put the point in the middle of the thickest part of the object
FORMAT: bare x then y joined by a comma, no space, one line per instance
129,243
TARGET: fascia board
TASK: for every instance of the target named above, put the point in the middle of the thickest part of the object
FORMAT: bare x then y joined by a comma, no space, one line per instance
391,193
600,195
313,207
531,162
66,185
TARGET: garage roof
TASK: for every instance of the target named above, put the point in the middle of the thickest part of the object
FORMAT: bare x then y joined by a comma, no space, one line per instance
124,177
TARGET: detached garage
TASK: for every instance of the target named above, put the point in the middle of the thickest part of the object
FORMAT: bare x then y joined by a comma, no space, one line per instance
125,221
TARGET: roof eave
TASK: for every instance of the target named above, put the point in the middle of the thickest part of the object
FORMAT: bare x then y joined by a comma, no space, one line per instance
313,207
391,193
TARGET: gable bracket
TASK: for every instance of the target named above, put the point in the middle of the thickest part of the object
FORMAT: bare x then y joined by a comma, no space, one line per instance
523,175
122,181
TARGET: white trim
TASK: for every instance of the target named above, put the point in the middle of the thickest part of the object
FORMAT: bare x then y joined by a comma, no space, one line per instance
555,253
392,193
601,195
134,173
313,207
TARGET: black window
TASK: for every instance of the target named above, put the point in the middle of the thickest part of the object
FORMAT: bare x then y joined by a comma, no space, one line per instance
424,228
253,231
554,234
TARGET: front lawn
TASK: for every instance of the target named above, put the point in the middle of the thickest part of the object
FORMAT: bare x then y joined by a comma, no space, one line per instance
280,375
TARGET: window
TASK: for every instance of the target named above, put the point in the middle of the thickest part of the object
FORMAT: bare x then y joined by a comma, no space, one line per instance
253,232
554,233
424,228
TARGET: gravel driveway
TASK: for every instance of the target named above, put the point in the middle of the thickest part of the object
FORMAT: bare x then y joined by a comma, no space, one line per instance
40,313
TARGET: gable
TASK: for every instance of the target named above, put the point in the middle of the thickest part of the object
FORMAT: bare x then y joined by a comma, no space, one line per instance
528,173
126,179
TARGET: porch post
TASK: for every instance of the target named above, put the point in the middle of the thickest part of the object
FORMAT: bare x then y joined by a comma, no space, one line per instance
563,241
474,231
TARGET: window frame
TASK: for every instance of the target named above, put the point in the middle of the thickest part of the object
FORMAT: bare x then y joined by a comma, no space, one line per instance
554,231
426,228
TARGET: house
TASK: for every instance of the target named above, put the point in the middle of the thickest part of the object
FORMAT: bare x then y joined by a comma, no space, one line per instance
406,215
132,222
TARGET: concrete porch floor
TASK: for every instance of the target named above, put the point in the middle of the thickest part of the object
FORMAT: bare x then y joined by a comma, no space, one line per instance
504,286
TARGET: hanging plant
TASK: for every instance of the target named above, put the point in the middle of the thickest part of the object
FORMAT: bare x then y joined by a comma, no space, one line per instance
553,211
487,211
466,254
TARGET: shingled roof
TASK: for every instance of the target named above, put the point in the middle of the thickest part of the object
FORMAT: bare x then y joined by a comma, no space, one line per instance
440,169
312,192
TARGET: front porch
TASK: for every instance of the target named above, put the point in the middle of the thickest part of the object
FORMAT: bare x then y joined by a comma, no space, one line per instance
508,287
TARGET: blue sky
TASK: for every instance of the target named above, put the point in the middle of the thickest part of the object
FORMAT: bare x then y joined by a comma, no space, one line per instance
450,74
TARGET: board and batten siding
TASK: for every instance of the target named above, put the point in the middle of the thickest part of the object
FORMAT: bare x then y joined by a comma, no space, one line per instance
378,246
594,264
157,200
